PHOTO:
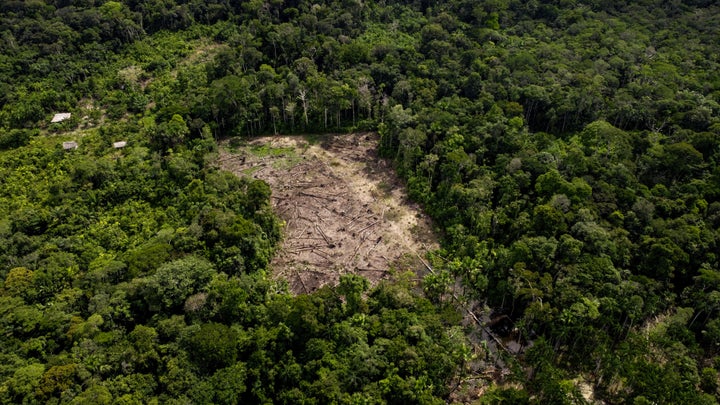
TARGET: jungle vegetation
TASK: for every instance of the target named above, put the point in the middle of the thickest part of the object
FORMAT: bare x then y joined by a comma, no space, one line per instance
567,149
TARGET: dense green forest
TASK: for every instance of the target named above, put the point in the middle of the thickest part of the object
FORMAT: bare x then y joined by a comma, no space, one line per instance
567,149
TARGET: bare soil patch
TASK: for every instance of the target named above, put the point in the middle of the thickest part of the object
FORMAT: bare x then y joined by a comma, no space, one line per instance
345,210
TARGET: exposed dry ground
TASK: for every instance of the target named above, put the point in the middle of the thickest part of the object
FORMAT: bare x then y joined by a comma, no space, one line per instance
344,209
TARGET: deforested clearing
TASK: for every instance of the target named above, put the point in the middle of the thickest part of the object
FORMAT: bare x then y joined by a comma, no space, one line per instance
345,210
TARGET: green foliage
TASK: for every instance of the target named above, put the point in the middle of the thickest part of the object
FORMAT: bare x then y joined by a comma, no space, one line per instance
15,138
176,281
213,346
568,150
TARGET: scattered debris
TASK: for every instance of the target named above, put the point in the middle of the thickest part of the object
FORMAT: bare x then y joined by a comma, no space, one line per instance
70,145
120,144
335,198
60,117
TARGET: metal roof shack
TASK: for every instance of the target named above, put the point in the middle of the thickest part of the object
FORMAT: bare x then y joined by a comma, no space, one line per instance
60,117
120,144
70,145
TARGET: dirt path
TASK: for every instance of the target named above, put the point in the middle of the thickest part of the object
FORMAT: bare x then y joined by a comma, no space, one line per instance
345,210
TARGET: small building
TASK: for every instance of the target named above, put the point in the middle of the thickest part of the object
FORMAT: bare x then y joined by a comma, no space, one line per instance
70,145
120,144
60,117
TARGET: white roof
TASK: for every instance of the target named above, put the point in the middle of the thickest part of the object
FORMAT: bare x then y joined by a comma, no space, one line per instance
120,144
59,117
70,145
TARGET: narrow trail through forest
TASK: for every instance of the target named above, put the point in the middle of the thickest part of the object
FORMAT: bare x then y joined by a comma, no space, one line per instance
345,210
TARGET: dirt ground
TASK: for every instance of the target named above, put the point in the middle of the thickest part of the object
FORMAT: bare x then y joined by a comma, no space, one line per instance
345,210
